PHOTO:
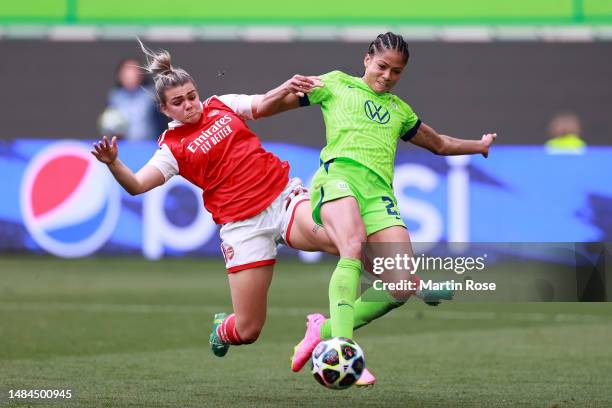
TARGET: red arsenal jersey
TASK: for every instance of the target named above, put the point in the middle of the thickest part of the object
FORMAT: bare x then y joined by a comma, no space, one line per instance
222,156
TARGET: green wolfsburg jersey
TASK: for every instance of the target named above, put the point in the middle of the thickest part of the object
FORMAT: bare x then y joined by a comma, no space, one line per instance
361,124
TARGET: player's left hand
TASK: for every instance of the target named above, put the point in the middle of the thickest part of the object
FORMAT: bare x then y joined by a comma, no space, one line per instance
487,141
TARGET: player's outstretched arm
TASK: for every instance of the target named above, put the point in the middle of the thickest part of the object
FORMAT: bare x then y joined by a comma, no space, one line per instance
445,145
284,97
144,180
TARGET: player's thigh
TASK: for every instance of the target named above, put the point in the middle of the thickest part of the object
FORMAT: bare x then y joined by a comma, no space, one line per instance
306,235
394,233
389,243
343,224
249,290
335,203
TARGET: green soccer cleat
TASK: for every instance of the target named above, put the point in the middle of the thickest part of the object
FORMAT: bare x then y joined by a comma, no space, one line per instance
433,297
218,347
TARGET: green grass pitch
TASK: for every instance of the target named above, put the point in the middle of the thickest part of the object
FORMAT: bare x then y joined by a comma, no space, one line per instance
134,333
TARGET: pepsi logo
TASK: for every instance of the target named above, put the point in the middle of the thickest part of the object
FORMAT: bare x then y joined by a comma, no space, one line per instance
69,201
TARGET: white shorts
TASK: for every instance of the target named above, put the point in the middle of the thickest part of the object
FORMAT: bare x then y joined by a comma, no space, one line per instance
252,242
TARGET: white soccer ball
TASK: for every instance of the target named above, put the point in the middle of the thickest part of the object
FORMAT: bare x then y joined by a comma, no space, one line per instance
112,123
337,363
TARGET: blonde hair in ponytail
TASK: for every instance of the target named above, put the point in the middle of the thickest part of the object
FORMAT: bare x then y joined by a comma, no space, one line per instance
164,74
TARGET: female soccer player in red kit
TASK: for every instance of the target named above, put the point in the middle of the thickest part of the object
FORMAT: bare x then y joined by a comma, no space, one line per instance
245,187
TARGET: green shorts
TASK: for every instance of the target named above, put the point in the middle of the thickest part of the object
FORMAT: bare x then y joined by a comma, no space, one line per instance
343,177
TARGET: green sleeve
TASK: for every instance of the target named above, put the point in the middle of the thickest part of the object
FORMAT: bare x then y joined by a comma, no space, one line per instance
318,95
411,122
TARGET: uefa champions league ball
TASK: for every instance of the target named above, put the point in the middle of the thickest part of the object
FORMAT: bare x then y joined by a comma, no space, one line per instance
337,363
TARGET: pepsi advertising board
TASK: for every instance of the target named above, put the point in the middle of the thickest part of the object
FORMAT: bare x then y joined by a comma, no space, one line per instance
58,199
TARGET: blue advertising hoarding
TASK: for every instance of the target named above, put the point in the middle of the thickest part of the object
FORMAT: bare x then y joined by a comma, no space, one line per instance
57,199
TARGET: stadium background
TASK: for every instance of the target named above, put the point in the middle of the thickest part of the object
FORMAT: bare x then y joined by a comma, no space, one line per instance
126,331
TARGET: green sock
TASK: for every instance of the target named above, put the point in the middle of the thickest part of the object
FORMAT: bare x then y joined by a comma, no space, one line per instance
343,287
376,304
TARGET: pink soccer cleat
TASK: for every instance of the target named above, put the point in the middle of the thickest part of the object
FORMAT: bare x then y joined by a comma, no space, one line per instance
302,352
366,379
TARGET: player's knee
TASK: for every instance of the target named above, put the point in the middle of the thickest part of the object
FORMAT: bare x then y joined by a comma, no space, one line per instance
355,244
351,247
249,330
250,334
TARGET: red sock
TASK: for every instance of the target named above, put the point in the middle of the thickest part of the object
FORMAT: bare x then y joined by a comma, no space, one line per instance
227,331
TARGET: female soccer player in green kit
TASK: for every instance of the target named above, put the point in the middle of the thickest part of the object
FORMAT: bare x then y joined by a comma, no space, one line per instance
352,195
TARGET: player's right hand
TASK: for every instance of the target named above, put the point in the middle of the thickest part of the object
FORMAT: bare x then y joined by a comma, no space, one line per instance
106,151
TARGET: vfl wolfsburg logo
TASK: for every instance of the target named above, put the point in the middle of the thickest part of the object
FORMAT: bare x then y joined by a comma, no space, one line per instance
377,113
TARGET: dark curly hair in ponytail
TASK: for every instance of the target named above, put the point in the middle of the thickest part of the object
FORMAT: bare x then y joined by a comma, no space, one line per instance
389,41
